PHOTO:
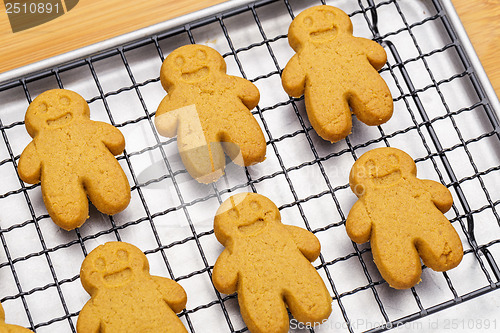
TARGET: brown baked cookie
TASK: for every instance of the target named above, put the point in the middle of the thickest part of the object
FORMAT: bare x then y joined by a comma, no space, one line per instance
73,158
402,217
269,265
209,111
7,328
336,72
124,297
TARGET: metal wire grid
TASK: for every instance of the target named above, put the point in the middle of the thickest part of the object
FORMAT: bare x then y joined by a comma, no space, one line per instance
61,297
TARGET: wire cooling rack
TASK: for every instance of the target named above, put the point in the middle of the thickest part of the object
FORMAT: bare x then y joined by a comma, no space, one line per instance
442,119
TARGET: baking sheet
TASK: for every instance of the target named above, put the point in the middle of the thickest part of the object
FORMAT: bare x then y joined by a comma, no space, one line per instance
170,216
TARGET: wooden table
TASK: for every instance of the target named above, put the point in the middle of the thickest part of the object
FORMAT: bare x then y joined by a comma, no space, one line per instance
481,19
89,22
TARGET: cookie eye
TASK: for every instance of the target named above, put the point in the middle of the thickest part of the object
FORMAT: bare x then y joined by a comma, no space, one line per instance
100,264
254,205
330,16
64,100
179,61
370,167
394,160
122,255
233,213
42,107
202,55
95,275
308,21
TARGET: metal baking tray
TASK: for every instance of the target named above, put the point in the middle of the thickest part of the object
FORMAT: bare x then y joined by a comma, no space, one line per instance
445,118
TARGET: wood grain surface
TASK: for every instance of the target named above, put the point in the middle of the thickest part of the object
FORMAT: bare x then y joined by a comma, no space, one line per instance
481,19
96,20
90,21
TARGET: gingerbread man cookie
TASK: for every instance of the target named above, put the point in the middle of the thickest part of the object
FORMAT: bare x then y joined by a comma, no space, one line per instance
209,111
72,157
402,216
336,72
124,297
7,328
269,265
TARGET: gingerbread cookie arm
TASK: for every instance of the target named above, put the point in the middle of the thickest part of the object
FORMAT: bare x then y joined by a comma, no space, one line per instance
89,320
30,165
247,91
293,77
358,224
7,328
173,293
440,195
112,138
374,52
306,241
225,275
166,119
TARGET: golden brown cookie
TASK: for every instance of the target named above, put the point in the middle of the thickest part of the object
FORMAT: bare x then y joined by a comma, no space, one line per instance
124,297
336,72
73,158
209,111
402,217
7,328
269,265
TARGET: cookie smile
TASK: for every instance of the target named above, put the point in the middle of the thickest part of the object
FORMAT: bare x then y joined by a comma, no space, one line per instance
196,75
252,227
324,34
60,121
119,277
388,178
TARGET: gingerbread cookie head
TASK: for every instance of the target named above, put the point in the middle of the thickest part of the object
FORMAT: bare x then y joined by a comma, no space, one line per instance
382,167
55,109
112,264
244,214
191,64
318,24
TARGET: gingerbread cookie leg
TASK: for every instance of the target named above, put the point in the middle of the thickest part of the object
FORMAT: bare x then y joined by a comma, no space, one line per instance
102,187
400,264
306,307
202,156
373,105
263,310
65,200
204,163
244,149
438,248
329,115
